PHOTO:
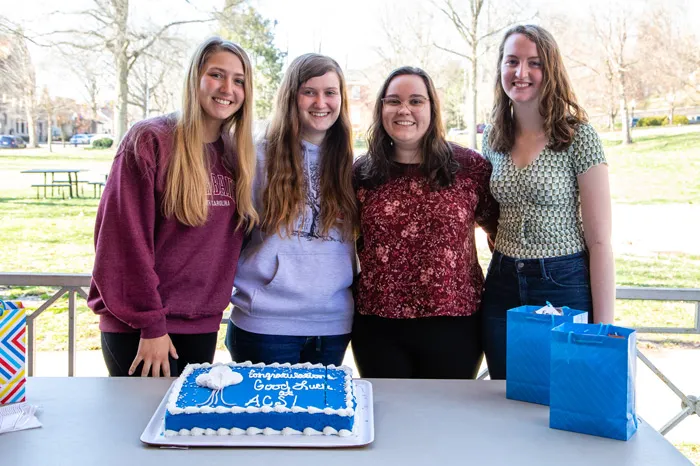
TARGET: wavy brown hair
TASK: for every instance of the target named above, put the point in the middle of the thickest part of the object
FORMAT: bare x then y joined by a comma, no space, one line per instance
558,105
437,164
187,177
283,197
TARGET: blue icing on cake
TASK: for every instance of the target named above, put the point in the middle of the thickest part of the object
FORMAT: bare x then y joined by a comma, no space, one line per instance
245,398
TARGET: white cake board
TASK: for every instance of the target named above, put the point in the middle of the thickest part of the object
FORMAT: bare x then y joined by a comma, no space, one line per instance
362,434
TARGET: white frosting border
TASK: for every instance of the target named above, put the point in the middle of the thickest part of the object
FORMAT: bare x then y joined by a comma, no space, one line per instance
197,432
172,408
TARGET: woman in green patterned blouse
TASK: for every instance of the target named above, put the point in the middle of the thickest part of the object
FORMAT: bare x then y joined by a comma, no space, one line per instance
550,178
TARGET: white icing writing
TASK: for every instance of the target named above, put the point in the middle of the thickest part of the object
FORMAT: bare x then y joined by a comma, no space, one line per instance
304,385
258,385
268,401
284,375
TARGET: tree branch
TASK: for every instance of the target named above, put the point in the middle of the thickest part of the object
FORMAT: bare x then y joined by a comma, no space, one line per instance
157,35
468,57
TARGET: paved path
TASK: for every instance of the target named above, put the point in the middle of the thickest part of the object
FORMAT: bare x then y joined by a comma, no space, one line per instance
655,402
656,228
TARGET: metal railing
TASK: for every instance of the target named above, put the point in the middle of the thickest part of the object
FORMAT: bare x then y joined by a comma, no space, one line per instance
70,284
75,284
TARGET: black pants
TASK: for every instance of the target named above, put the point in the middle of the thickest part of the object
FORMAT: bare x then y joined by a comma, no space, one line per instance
119,351
424,348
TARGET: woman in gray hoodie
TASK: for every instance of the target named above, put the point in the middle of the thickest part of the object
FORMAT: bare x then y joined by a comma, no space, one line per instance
292,300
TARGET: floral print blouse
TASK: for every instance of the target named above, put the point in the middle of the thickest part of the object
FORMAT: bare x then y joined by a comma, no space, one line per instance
417,250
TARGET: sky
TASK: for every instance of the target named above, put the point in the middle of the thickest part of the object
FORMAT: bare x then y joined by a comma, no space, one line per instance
341,29
348,30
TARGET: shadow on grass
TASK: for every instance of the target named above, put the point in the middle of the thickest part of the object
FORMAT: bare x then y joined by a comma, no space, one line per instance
667,342
657,142
47,202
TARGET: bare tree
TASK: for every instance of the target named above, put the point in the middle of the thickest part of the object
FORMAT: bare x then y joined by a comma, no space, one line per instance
666,48
18,77
613,28
474,27
395,50
107,27
157,77
590,71
92,68
48,105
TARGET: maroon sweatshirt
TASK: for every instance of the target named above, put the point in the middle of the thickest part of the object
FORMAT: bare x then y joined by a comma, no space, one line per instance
153,274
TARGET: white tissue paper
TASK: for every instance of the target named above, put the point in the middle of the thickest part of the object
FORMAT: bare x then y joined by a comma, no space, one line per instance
550,310
18,416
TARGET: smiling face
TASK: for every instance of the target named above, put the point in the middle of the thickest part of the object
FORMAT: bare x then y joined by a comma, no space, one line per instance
407,122
221,88
318,104
521,70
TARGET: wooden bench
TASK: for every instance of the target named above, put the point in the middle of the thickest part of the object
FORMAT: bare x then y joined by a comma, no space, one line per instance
96,188
52,186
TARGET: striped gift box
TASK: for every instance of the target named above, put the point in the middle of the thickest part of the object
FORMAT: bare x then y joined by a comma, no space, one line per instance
13,325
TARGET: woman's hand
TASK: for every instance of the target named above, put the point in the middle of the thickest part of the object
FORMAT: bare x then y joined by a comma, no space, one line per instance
154,354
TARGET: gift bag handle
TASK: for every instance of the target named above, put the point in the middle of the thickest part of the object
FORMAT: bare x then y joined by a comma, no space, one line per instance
603,331
532,317
584,341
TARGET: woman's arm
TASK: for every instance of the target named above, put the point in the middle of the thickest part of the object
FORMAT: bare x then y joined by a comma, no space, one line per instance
594,188
487,209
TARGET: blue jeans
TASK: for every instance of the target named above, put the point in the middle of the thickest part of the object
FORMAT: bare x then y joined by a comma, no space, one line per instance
510,282
258,347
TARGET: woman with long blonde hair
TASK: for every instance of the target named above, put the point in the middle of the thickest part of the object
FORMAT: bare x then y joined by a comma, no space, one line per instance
550,178
292,300
176,206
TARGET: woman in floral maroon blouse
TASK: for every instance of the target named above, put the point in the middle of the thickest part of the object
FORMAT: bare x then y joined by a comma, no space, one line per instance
419,198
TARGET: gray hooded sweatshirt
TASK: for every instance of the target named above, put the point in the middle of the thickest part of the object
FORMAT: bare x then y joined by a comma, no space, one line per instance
296,284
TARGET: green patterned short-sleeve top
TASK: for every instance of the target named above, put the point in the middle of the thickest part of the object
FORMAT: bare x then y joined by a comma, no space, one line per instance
540,204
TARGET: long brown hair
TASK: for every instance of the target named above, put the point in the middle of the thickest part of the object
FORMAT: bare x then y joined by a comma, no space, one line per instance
283,197
438,163
187,178
558,104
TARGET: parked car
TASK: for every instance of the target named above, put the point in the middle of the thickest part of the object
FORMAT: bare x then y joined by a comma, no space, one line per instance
459,132
80,139
633,122
694,120
456,132
12,142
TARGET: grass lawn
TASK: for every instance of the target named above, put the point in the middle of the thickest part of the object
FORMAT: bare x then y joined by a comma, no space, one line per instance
691,451
657,169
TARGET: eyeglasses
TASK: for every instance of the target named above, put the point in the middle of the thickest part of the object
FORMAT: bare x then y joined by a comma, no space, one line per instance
413,104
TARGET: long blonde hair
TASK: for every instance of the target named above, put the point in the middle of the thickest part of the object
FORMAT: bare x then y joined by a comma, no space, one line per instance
187,178
558,104
283,197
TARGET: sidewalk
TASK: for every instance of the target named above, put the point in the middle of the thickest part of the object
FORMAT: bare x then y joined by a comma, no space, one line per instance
656,403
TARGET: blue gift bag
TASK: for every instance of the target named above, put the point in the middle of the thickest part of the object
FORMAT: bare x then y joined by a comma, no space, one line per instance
527,351
592,380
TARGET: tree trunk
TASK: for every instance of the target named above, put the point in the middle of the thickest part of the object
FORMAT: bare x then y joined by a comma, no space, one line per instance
626,134
31,120
670,115
122,65
49,125
472,102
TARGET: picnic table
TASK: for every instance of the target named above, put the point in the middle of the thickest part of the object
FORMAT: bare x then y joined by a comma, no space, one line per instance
89,421
71,183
